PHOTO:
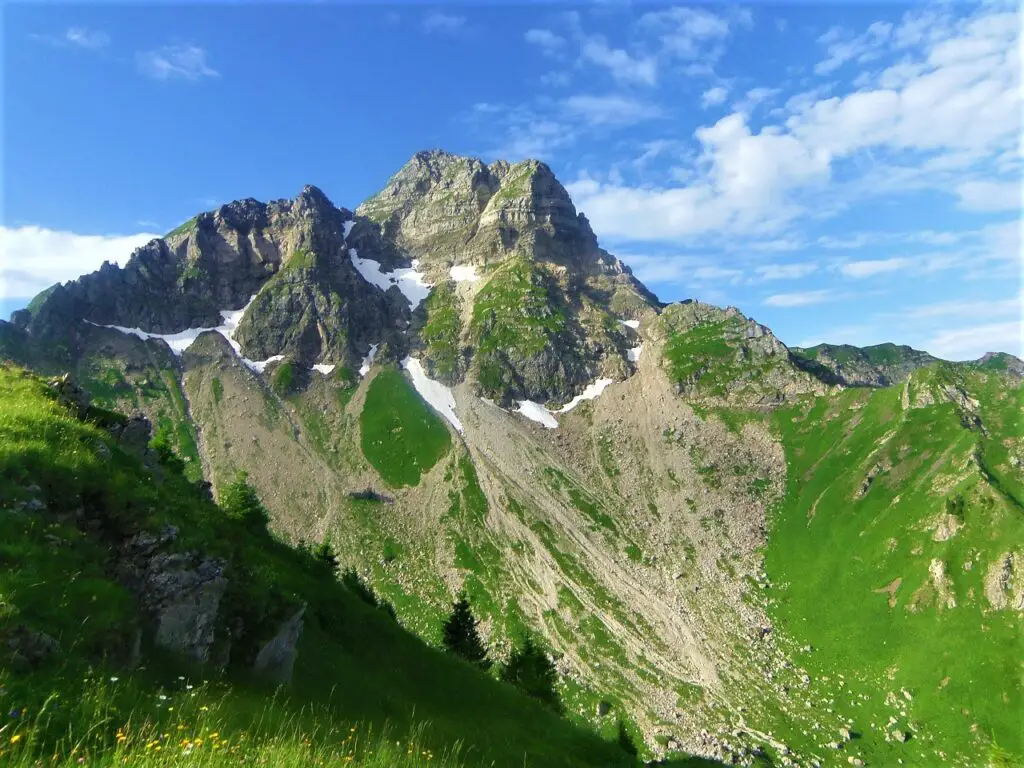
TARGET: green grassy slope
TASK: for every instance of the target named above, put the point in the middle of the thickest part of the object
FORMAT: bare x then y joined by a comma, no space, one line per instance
875,486
401,436
356,667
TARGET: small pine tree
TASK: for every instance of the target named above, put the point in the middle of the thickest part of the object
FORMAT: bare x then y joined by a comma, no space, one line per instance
240,502
461,636
326,556
531,671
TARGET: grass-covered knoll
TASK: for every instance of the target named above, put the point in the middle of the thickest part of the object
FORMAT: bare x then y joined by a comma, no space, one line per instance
69,496
896,513
717,354
877,354
400,435
442,331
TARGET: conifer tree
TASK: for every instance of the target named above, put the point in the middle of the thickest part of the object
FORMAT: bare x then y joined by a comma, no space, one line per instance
461,636
326,556
241,502
531,671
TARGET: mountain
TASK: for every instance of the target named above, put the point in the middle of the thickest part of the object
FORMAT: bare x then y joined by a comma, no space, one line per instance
732,548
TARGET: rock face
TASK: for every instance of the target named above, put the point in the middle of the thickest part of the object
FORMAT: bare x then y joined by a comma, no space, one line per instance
276,659
291,255
180,592
876,366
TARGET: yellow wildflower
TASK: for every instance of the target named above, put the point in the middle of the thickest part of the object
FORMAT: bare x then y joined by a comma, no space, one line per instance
15,738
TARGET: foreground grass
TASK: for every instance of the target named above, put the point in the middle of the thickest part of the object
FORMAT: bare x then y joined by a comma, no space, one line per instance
401,436
114,722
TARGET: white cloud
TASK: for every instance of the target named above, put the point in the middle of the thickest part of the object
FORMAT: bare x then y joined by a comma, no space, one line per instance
712,97
545,39
801,299
990,195
87,38
45,256
972,342
754,97
443,23
938,129
610,110
685,32
872,267
175,62
622,66
862,48
786,271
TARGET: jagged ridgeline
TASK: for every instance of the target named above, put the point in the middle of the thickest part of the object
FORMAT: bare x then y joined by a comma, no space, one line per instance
461,391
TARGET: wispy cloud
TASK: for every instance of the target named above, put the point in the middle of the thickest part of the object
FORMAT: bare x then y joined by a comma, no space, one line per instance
623,66
799,299
175,62
611,109
786,271
443,23
872,267
969,343
76,37
712,97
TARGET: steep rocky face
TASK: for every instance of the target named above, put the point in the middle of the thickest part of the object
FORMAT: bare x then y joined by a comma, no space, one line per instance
287,261
444,209
876,366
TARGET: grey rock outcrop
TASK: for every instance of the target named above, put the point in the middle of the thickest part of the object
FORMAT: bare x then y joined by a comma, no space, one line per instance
180,592
276,659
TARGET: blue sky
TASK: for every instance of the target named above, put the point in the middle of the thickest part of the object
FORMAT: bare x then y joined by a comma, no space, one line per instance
840,172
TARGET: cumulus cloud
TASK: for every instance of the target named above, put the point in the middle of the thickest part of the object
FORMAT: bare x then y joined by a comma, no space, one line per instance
36,258
175,62
958,107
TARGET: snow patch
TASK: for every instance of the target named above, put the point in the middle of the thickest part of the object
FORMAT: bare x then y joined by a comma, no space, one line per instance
260,365
368,360
347,228
634,354
182,340
541,414
408,279
323,368
537,412
589,393
634,324
464,274
437,395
